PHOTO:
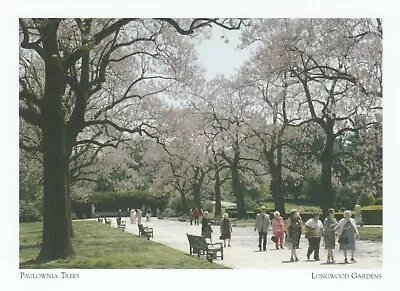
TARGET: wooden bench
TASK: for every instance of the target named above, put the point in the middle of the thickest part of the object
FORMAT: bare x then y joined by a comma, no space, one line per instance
107,221
145,231
198,245
121,224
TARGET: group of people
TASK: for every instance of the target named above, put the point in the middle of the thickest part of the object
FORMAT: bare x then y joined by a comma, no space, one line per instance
346,230
225,228
314,229
194,215
136,216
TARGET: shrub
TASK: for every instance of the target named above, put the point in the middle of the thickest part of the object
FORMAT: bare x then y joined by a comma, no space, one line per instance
311,189
378,201
345,198
372,215
80,206
366,200
168,212
112,201
208,205
30,211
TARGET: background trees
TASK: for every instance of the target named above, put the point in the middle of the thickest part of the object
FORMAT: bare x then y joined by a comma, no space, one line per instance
122,104
82,75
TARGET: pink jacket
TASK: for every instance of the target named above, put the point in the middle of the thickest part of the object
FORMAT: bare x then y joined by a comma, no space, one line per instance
278,225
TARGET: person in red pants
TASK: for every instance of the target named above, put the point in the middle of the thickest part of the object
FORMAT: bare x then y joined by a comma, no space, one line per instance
278,229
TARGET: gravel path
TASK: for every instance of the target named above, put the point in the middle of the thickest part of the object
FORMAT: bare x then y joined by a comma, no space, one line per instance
244,254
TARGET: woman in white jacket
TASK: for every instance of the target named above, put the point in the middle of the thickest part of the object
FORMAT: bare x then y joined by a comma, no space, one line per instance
347,230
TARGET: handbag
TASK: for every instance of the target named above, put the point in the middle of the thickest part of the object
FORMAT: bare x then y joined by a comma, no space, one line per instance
308,234
273,238
343,239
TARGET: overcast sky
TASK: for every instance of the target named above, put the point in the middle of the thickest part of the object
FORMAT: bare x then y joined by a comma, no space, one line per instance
219,57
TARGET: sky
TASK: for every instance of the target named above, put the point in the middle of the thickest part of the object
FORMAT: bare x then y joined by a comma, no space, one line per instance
219,57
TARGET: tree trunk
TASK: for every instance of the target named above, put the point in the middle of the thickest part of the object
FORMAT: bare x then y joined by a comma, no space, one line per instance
183,200
327,197
56,242
217,190
69,210
238,191
197,194
279,198
276,179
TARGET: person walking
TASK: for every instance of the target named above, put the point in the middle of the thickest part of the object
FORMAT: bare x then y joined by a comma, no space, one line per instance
148,214
191,216
330,225
347,231
226,229
196,214
119,218
206,229
278,229
294,232
262,226
132,216
139,216
314,231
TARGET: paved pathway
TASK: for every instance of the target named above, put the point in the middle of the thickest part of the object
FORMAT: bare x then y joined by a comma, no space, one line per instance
244,253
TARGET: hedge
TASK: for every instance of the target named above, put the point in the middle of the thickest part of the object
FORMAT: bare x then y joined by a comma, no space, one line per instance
366,199
113,201
304,215
372,215
378,201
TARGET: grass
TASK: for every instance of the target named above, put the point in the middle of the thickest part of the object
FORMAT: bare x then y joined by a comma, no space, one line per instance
371,233
98,246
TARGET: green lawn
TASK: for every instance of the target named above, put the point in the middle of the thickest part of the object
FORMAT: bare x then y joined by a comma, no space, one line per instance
98,246
370,233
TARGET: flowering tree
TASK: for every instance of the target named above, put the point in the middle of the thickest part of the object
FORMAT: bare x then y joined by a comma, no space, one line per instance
77,74
337,63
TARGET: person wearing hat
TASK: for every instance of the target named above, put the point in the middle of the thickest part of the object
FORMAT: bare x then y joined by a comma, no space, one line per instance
262,226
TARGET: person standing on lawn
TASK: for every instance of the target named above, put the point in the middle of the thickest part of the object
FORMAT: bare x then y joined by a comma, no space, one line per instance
330,225
226,229
262,226
314,231
347,231
278,229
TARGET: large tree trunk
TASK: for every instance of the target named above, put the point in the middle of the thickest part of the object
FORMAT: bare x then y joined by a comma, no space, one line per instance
197,194
237,189
279,198
69,210
276,179
217,190
327,197
183,200
56,242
